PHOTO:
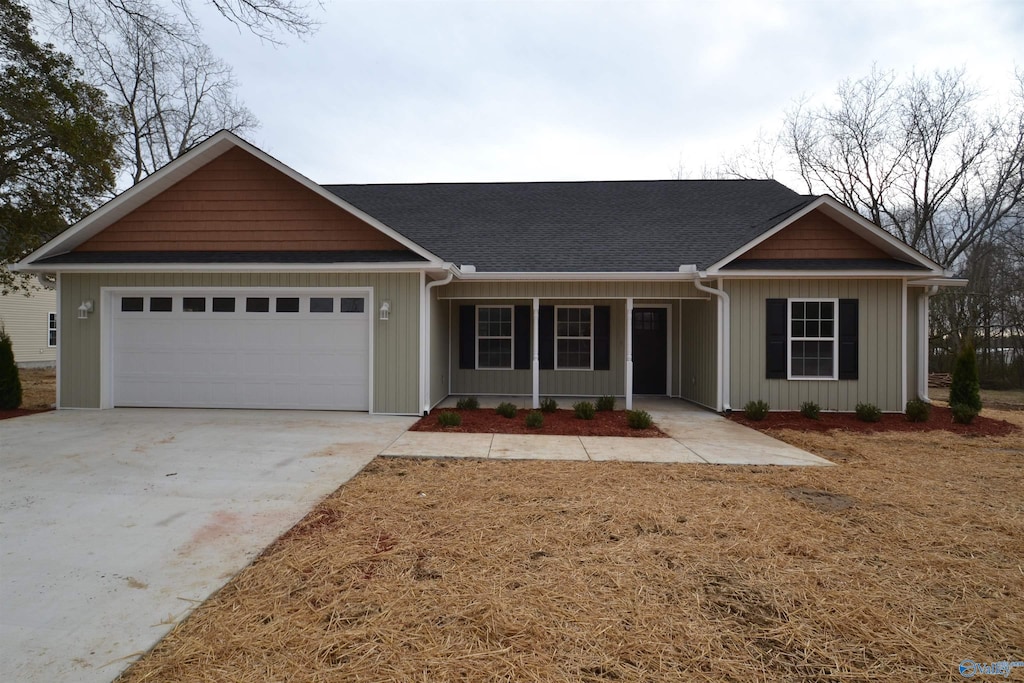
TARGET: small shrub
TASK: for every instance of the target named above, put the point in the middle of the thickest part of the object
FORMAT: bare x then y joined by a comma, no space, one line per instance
606,403
868,412
506,409
918,410
535,419
963,414
810,410
638,419
467,403
447,418
584,410
548,405
755,410
964,388
10,381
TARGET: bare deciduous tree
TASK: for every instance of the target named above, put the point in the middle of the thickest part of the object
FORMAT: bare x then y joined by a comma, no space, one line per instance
915,156
172,93
267,19
920,157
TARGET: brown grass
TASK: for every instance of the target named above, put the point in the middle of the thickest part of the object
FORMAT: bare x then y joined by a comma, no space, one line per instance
38,388
896,565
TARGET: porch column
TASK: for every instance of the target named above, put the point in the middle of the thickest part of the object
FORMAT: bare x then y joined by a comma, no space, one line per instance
629,353
536,353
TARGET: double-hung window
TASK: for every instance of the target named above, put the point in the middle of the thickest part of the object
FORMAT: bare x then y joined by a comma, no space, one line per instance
574,337
494,337
813,338
51,329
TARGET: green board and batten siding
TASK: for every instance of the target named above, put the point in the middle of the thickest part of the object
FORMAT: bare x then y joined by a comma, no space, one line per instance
438,361
698,354
396,341
880,345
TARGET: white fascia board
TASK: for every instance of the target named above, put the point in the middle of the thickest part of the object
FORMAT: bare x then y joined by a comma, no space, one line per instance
849,219
229,268
938,282
200,155
817,274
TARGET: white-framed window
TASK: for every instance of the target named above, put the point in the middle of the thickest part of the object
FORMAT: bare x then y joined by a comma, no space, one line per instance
813,343
51,329
494,337
574,337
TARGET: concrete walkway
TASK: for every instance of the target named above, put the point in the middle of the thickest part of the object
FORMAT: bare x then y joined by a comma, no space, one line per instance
697,436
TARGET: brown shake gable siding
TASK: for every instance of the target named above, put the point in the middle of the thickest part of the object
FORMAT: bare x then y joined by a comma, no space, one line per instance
238,203
815,236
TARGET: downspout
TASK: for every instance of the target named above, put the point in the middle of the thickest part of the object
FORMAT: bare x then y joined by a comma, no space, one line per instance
425,340
922,342
723,340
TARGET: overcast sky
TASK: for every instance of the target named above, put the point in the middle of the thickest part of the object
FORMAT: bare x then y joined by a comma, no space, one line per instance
488,90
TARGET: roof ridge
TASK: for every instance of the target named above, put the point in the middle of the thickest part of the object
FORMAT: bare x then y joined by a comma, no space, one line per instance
560,182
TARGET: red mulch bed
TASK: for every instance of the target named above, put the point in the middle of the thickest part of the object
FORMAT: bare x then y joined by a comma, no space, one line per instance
941,418
6,414
558,423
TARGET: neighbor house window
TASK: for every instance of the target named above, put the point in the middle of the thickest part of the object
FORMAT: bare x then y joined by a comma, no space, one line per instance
494,337
813,338
574,337
51,329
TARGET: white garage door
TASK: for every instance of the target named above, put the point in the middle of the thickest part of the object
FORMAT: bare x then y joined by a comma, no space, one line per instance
231,349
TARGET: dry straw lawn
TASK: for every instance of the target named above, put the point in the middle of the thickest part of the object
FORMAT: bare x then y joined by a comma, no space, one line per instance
895,566
38,388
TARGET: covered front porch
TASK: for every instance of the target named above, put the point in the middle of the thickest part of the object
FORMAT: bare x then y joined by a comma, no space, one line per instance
532,340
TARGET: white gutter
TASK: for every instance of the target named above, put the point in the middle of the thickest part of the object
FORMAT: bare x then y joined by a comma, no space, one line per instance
922,342
498,276
816,274
425,338
724,347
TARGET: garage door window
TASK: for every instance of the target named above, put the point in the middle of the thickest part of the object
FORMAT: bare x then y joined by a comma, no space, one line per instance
223,304
321,304
160,304
257,304
351,305
287,304
193,304
131,304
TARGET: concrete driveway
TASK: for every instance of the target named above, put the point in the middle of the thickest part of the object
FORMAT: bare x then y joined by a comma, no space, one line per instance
115,524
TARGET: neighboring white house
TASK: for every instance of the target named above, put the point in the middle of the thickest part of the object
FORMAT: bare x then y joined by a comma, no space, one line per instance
31,322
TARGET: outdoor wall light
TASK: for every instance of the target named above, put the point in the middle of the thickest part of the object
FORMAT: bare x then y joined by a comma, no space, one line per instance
385,310
85,309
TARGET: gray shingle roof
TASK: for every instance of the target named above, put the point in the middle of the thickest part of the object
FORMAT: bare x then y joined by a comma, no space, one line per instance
617,226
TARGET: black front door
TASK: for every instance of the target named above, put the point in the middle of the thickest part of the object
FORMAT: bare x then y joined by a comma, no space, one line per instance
650,350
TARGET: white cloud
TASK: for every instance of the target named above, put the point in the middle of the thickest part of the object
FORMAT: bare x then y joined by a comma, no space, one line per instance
419,91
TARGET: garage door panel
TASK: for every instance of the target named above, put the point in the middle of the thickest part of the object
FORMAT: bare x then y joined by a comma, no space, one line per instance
238,359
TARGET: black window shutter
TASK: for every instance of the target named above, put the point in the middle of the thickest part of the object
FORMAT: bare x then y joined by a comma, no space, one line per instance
602,337
546,334
775,339
848,333
467,337
522,339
